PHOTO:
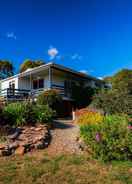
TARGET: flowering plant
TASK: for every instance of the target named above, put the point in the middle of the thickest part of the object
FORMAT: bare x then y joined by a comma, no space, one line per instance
90,117
109,140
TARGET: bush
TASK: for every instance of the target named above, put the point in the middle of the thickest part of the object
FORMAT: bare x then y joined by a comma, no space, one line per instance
90,117
23,113
49,97
113,102
44,114
14,113
29,115
82,94
109,140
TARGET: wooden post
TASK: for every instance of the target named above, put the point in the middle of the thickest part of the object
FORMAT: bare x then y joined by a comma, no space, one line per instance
73,115
50,77
30,83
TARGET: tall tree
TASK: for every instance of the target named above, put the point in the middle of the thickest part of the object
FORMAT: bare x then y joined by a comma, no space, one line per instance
6,69
30,64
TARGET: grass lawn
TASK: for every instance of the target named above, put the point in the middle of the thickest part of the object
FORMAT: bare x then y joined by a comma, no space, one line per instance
43,169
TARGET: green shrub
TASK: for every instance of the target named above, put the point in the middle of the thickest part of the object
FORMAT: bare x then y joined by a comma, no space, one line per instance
49,97
113,102
23,113
82,94
109,140
14,113
44,114
30,115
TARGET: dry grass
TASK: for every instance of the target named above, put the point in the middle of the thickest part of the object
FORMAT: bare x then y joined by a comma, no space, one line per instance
42,169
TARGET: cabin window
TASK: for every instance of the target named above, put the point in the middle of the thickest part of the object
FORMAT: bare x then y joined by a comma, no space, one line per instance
12,85
38,83
35,84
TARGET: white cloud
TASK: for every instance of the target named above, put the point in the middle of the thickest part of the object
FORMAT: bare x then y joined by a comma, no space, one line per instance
60,57
101,78
76,57
52,52
84,71
11,35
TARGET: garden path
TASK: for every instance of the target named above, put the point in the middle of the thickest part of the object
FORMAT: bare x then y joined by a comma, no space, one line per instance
64,138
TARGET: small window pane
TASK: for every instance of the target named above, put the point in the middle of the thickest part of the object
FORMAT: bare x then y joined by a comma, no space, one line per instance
41,83
35,84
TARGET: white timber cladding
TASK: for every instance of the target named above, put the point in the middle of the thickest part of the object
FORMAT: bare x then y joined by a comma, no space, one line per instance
25,80
27,83
5,84
24,83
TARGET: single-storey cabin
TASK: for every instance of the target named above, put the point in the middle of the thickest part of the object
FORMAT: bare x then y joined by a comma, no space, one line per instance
48,76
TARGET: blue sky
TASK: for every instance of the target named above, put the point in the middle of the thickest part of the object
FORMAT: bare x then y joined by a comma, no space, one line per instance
88,35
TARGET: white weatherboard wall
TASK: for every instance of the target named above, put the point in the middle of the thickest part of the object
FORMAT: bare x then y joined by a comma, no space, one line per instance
24,83
5,83
46,82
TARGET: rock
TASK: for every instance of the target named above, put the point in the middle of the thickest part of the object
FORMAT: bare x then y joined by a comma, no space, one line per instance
2,146
46,144
1,153
25,139
14,135
39,145
14,145
20,150
6,151
77,138
38,128
32,128
39,138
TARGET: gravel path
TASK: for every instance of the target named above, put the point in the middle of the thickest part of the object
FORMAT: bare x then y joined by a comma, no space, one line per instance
64,136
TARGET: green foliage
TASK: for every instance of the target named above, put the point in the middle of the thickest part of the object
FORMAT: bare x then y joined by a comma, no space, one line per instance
109,140
82,95
19,114
119,98
30,64
14,113
113,102
122,80
30,116
44,114
6,69
49,97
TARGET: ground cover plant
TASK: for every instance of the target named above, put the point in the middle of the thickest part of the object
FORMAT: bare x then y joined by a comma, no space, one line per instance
71,169
110,139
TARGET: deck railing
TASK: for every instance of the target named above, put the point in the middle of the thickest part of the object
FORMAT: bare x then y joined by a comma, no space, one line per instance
15,93
23,93
59,88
